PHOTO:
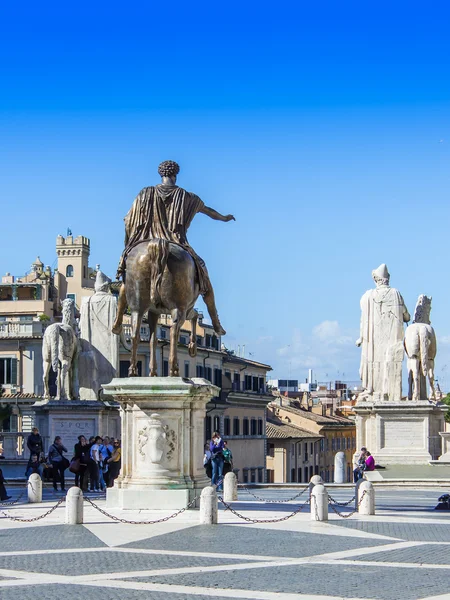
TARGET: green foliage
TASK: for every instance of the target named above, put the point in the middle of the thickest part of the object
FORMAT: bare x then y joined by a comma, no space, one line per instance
44,318
5,412
446,400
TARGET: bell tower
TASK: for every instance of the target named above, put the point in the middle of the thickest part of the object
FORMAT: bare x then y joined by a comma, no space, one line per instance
73,271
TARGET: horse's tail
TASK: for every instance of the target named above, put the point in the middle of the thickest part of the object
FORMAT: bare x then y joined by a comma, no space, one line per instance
53,345
424,349
159,253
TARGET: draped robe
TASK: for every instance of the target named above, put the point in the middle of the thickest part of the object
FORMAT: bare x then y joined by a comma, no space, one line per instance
383,313
165,212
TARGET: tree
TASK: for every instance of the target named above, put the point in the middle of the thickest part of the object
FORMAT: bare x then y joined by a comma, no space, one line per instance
446,400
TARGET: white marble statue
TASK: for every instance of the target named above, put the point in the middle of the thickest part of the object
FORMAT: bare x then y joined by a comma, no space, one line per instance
420,346
383,313
60,351
99,359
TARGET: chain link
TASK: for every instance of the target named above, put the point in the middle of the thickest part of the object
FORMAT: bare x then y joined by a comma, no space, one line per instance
350,514
16,501
162,520
246,489
250,520
336,503
34,518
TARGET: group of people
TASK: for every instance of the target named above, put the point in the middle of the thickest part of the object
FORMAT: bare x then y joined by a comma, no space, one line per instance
95,462
217,460
362,462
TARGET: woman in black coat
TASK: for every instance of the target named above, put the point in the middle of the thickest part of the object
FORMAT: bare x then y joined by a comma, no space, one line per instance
3,495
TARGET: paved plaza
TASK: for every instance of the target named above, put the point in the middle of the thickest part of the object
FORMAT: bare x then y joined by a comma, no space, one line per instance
401,553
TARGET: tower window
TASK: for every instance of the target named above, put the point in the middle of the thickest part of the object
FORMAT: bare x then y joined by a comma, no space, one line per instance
69,271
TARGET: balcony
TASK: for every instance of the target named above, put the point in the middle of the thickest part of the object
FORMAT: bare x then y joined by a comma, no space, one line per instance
20,329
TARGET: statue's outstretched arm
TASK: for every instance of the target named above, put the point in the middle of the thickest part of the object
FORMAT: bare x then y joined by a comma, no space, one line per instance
210,212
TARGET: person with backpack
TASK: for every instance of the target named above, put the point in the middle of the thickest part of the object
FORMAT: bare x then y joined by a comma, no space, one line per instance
216,449
94,464
58,461
227,459
105,450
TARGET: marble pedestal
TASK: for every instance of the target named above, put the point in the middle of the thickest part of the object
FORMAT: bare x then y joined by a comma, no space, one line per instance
400,432
162,441
71,418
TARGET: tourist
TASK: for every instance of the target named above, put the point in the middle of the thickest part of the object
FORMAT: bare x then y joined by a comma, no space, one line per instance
114,463
3,494
207,460
105,450
216,449
81,454
34,443
227,459
34,466
369,464
94,465
58,461
358,464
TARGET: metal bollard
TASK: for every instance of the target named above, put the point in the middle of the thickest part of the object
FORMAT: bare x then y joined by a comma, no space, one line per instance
34,487
208,506
367,502
230,489
339,467
319,503
74,506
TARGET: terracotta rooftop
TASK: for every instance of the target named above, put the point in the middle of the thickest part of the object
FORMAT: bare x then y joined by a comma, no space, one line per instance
276,430
19,395
322,420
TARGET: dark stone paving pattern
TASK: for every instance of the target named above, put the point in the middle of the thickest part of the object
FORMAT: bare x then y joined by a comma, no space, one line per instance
382,583
257,542
85,563
51,537
86,592
411,532
430,554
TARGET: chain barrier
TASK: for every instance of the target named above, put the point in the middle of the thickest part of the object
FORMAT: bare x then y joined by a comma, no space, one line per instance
31,520
250,520
246,489
336,503
162,520
350,514
16,501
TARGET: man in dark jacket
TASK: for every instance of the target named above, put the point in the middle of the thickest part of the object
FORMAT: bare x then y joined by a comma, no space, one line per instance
34,442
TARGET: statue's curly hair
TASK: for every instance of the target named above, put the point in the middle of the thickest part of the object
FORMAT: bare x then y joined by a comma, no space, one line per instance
168,168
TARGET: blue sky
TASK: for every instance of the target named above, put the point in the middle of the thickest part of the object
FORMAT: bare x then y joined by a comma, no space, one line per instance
324,128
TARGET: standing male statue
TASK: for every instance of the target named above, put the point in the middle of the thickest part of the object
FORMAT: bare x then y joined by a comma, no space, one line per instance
165,212
383,313
99,358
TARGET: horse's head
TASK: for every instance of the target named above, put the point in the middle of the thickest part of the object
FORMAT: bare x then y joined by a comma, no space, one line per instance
68,311
423,309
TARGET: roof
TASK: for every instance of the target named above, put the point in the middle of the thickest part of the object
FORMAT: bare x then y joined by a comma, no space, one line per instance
280,431
19,395
320,419
231,358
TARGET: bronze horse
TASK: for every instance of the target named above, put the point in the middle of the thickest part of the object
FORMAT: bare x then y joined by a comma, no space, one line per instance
161,279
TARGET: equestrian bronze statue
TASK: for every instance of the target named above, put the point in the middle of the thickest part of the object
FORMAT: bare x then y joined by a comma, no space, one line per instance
161,273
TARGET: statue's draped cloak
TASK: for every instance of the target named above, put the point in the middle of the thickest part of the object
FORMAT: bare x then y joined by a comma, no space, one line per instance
383,313
165,212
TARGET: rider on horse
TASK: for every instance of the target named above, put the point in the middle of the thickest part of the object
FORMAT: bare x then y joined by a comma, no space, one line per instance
165,211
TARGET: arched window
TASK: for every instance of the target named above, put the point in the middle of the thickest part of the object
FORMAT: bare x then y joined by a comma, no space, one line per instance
69,271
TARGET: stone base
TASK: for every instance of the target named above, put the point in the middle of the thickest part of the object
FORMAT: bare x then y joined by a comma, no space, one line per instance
71,418
162,441
400,432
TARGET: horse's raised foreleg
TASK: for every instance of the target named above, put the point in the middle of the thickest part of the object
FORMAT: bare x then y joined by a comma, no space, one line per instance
136,319
121,308
178,318
153,326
